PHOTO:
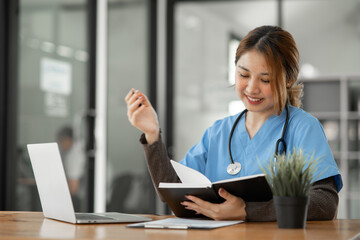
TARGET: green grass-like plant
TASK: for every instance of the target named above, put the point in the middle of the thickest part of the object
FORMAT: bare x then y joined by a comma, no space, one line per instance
292,174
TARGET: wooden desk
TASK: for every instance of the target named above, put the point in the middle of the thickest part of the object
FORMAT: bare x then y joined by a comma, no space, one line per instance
32,225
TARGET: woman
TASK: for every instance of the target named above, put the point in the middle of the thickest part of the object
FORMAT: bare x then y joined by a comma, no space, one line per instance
267,67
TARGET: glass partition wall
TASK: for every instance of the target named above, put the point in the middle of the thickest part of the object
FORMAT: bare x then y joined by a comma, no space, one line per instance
52,93
329,41
53,90
129,185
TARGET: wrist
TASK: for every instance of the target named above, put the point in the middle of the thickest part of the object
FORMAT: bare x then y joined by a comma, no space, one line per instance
152,136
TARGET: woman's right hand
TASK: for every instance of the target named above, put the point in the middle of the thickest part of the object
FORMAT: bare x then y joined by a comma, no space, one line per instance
142,115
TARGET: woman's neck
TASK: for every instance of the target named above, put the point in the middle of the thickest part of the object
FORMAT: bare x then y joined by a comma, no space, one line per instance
254,121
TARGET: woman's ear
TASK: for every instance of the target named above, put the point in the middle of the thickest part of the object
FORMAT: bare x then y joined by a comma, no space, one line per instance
289,84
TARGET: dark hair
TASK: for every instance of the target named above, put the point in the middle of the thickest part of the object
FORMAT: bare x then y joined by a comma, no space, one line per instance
282,57
65,132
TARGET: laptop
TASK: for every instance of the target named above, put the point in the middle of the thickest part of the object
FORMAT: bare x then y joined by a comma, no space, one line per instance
54,191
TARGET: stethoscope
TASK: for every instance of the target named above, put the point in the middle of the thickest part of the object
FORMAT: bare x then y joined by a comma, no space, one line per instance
235,167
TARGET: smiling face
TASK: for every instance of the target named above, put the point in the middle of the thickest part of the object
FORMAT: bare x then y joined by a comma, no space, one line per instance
252,81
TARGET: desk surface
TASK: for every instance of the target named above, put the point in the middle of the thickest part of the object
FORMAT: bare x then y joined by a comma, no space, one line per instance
26,225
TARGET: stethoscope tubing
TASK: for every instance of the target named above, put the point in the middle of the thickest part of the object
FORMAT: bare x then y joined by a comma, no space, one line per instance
280,140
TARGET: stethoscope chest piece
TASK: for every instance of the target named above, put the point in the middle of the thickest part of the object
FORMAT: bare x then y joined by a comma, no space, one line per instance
234,168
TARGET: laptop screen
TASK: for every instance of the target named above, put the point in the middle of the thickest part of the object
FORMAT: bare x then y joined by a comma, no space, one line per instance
51,181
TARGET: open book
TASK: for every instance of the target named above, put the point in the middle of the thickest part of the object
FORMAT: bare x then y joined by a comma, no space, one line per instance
252,188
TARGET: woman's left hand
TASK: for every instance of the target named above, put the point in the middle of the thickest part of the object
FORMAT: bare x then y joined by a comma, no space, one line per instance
232,209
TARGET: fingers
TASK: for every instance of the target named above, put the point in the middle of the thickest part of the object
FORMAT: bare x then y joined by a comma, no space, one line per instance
135,100
198,209
130,93
225,194
232,208
132,107
134,95
201,207
200,202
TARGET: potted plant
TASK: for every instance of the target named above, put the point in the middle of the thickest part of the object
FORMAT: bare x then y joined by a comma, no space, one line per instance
290,177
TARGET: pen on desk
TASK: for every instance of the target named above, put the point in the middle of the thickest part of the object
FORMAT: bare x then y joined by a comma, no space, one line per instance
178,227
153,226
166,226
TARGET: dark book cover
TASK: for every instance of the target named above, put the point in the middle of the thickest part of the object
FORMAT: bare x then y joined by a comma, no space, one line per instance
251,188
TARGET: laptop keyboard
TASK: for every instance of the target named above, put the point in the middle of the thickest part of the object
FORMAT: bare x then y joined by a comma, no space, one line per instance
84,216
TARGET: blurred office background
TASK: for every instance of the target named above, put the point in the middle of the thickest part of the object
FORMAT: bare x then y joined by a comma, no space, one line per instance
70,63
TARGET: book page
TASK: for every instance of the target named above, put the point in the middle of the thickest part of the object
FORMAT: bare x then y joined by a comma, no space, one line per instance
188,175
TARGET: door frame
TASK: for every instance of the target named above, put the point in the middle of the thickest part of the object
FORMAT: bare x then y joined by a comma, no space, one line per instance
8,101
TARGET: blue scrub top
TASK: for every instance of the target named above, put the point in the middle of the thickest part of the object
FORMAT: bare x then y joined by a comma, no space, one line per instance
210,156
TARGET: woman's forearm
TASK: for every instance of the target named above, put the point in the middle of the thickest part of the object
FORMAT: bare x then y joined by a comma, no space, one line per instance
158,163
